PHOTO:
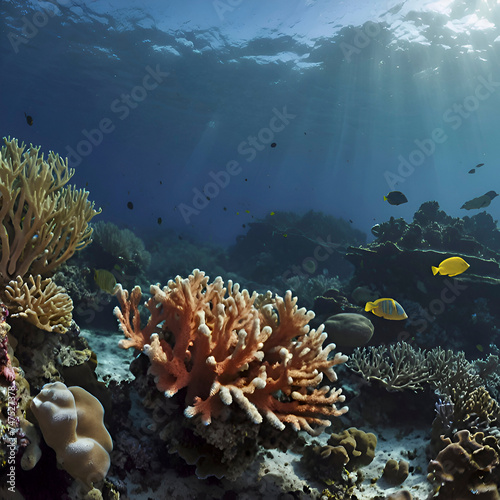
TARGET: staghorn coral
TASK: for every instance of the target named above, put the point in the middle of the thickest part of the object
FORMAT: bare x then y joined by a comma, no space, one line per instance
222,349
402,367
42,221
41,302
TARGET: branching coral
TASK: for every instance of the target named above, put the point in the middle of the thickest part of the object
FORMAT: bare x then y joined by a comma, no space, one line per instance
402,367
42,221
41,302
467,404
222,349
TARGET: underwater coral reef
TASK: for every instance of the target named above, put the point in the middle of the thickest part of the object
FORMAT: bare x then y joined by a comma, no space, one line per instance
219,392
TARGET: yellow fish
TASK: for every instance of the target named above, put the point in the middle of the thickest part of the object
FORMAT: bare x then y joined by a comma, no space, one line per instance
105,280
386,308
451,267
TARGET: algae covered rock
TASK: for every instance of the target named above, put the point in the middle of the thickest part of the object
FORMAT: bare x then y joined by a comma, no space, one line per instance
349,450
359,445
396,472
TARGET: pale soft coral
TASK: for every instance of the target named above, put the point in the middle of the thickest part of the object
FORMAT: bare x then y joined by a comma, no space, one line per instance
43,220
224,349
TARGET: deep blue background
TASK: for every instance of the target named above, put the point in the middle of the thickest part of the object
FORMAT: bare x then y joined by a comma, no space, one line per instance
365,81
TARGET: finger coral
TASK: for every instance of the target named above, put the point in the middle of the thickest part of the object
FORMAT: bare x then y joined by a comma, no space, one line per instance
222,349
41,302
42,221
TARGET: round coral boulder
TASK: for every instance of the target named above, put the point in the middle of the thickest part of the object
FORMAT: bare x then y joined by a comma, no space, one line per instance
349,329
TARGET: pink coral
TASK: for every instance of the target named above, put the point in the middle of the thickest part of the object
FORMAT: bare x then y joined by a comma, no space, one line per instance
224,349
6,368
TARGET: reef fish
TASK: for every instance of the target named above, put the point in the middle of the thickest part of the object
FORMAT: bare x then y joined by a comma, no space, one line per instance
480,201
29,119
451,267
104,280
396,198
386,308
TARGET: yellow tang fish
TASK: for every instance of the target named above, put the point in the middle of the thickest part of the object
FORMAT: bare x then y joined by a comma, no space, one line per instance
386,308
451,267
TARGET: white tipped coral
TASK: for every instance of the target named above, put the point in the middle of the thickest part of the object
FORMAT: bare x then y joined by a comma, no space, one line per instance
226,352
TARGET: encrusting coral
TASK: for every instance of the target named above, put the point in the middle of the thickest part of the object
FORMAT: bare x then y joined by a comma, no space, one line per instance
41,302
467,468
222,349
42,221
351,449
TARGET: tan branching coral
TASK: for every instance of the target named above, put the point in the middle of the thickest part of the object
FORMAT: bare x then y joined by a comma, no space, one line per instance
41,302
224,350
42,221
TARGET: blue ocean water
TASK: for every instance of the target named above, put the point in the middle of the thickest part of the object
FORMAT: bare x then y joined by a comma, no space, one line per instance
166,104
189,122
